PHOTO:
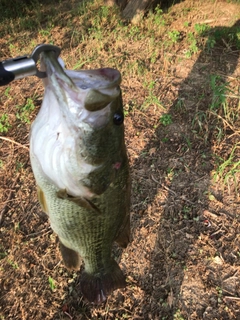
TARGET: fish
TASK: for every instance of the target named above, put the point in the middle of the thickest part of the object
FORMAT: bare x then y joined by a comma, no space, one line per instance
80,164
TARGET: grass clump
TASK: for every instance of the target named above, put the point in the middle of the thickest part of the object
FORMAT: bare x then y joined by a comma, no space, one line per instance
24,111
4,123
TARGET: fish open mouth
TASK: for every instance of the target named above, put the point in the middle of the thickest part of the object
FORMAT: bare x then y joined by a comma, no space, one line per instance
83,95
96,87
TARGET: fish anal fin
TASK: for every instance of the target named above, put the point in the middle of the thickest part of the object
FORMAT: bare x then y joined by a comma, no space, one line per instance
80,201
71,258
96,287
123,236
42,199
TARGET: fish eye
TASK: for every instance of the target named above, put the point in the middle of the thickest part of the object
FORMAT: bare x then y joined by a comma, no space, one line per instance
118,118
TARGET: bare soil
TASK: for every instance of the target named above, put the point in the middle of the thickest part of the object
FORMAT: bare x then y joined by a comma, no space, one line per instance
183,261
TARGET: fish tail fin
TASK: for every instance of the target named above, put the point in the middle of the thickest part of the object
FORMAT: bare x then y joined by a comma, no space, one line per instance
96,287
70,257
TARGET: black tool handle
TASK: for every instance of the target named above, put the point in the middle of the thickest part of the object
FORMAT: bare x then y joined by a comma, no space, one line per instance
5,76
24,66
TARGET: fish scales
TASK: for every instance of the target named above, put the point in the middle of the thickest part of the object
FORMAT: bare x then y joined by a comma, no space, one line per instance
80,164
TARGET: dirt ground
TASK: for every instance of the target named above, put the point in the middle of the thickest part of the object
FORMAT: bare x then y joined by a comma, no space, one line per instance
183,261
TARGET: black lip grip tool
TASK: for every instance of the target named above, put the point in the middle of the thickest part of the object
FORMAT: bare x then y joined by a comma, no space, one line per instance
24,66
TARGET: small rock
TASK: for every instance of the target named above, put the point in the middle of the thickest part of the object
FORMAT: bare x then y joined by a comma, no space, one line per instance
218,260
229,286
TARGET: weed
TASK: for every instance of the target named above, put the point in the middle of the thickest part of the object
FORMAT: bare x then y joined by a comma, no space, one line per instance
151,99
45,32
3,253
165,139
51,283
6,92
14,265
179,106
200,119
134,33
220,293
210,44
177,315
4,123
188,142
79,65
200,28
158,16
25,111
193,48
219,90
154,57
19,165
170,174
166,119
186,210
82,8
230,37
228,168
174,35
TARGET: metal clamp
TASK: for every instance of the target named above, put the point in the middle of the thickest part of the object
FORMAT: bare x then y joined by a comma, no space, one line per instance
24,66
36,53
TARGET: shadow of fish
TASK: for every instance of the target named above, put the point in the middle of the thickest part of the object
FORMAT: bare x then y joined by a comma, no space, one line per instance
80,164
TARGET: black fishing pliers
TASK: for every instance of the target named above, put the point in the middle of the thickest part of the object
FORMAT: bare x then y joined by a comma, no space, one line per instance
24,66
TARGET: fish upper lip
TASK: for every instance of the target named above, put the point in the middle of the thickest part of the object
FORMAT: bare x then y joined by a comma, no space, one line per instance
101,79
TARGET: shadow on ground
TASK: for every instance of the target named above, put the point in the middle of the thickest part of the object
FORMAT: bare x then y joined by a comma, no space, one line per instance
178,162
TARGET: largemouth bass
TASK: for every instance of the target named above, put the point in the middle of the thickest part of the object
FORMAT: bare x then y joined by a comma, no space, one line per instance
79,160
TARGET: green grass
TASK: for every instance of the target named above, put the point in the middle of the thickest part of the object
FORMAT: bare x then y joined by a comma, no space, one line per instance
174,36
219,89
3,253
52,284
228,168
166,119
13,264
24,111
4,123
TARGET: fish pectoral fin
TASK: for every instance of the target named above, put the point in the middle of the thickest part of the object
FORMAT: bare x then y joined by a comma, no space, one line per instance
62,194
80,201
42,199
123,236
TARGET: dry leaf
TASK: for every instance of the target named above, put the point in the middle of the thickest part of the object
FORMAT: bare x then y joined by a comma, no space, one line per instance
152,151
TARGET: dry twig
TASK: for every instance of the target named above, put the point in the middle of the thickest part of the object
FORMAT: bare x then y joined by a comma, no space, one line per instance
14,142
